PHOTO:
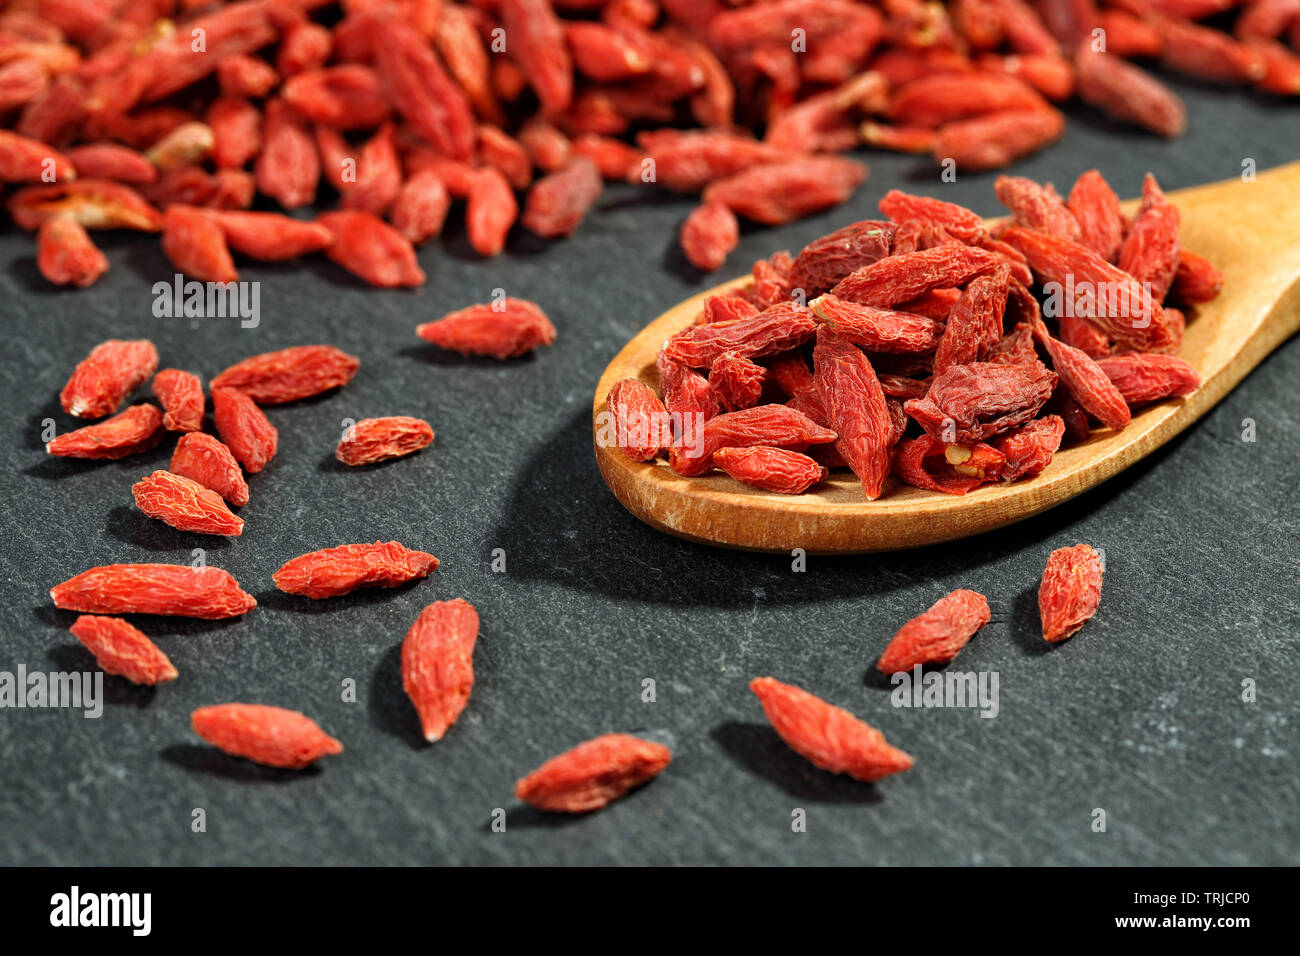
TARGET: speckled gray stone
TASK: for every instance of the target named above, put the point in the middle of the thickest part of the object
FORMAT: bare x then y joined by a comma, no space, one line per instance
1141,714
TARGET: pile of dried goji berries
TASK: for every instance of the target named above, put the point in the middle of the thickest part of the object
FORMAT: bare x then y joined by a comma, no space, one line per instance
925,339
176,115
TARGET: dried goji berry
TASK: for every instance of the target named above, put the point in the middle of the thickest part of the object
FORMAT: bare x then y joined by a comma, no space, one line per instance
1085,380
708,235
1196,281
1150,252
184,504
181,395
1035,206
538,43
437,663
855,408
878,330
288,167
969,403
736,381
1070,591
777,328
726,308
1126,93
975,322
290,374
953,469
332,572
1096,209
829,737
196,244
168,589
270,236
105,377
996,139
825,261
593,773
344,96
772,469
379,439
134,430
206,460
490,211
368,247
24,160
1029,449
900,278
937,635
640,423
958,221
421,207
247,432
113,161
123,649
504,329
66,255
1144,377
558,202
776,425
780,192
272,736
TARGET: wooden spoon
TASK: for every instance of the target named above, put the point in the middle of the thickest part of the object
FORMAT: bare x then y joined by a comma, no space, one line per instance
1248,229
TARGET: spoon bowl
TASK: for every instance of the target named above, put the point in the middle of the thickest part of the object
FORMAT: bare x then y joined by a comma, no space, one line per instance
1245,228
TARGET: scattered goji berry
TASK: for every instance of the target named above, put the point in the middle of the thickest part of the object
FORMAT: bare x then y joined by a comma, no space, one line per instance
66,255
167,589
181,395
196,244
332,572
206,460
437,663
780,192
558,202
123,649
185,504
515,328
272,736
708,235
1070,591
104,378
246,431
368,247
937,635
379,439
270,236
593,773
827,736
288,375
134,430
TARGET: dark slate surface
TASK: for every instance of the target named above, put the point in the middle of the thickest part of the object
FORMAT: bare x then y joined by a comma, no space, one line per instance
1140,715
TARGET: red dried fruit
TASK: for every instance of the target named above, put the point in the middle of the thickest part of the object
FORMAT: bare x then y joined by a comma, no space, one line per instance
247,432
1036,207
937,635
558,202
708,235
239,74
95,203
1070,591
777,328
168,589
418,86
829,737
593,773
958,221
899,278
945,97
1196,281
1143,377
270,236
288,167
505,329
24,160
204,459
123,649
66,255
1150,252
1085,380
969,403
1103,293
184,504
772,469
104,378
490,211
736,381
776,425
134,430
1029,450
996,139
1096,209
181,395
641,425
344,96
975,321
780,192
726,308
379,439
332,572
825,261
688,160
855,408
421,207
953,469
437,663
537,41
196,244
1125,93
290,374
369,248
113,161
272,736
878,330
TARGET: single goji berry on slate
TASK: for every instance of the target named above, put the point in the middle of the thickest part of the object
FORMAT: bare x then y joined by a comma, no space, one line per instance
170,589
380,439
437,663
290,374
66,255
505,329
272,736
593,773
368,247
332,572
134,430
123,649
829,737
181,394
937,635
1070,591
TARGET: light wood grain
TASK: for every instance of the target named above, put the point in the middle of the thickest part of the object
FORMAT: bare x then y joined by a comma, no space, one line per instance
1248,229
